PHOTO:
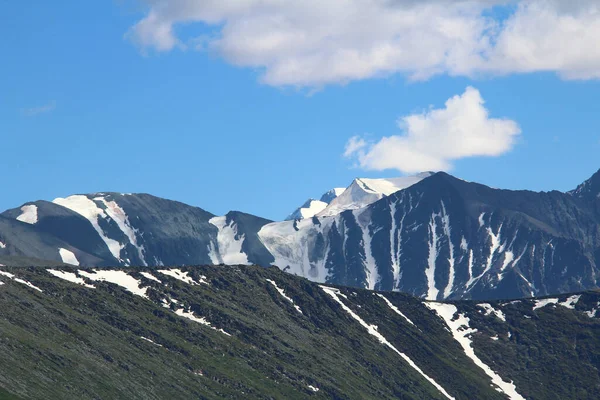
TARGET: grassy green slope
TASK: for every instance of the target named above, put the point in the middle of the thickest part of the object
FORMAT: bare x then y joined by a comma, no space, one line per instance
75,342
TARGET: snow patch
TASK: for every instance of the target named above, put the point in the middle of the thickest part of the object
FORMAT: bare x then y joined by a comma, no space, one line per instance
190,315
182,276
68,257
488,309
282,293
461,331
395,309
372,329
570,302
29,214
593,312
542,303
21,281
90,211
229,245
290,242
29,284
148,275
70,277
119,278
151,341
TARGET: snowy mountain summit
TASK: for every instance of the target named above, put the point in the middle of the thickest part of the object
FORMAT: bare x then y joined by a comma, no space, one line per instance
363,191
360,193
312,207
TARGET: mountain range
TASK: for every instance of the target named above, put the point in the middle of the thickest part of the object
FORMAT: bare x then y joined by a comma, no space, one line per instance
257,333
432,235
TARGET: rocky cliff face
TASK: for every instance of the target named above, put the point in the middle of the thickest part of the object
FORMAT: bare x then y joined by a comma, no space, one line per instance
446,238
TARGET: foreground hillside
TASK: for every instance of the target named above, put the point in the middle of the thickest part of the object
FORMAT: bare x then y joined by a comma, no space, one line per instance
250,332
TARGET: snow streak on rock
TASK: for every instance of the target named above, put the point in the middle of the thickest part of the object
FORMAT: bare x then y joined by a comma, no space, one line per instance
282,293
395,309
90,210
433,242
190,315
70,277
461,331
370,266
117,214
372,329
451,261
21,281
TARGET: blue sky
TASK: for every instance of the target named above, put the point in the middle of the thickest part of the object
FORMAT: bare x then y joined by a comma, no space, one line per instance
88,105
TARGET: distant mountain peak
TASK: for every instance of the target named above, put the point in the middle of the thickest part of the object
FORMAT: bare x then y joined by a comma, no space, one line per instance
588,189
332,194
365,191
312,207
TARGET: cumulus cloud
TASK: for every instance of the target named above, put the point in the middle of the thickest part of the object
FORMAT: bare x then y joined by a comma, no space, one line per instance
313,43
32,112
432,140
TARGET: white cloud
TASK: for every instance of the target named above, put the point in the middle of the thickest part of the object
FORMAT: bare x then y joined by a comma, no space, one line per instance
354,145
32,112
432,140
314,42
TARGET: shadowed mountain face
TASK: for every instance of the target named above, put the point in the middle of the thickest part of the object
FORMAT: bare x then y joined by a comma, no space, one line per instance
447,238
439,238
252,332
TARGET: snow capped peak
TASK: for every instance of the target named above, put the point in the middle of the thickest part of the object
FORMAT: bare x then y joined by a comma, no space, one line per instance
308,210
364,191
313,207
360,193
332,194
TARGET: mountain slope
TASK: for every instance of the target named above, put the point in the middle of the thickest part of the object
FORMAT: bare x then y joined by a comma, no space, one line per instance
213,332
590,189
139,229
447,238
439,238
